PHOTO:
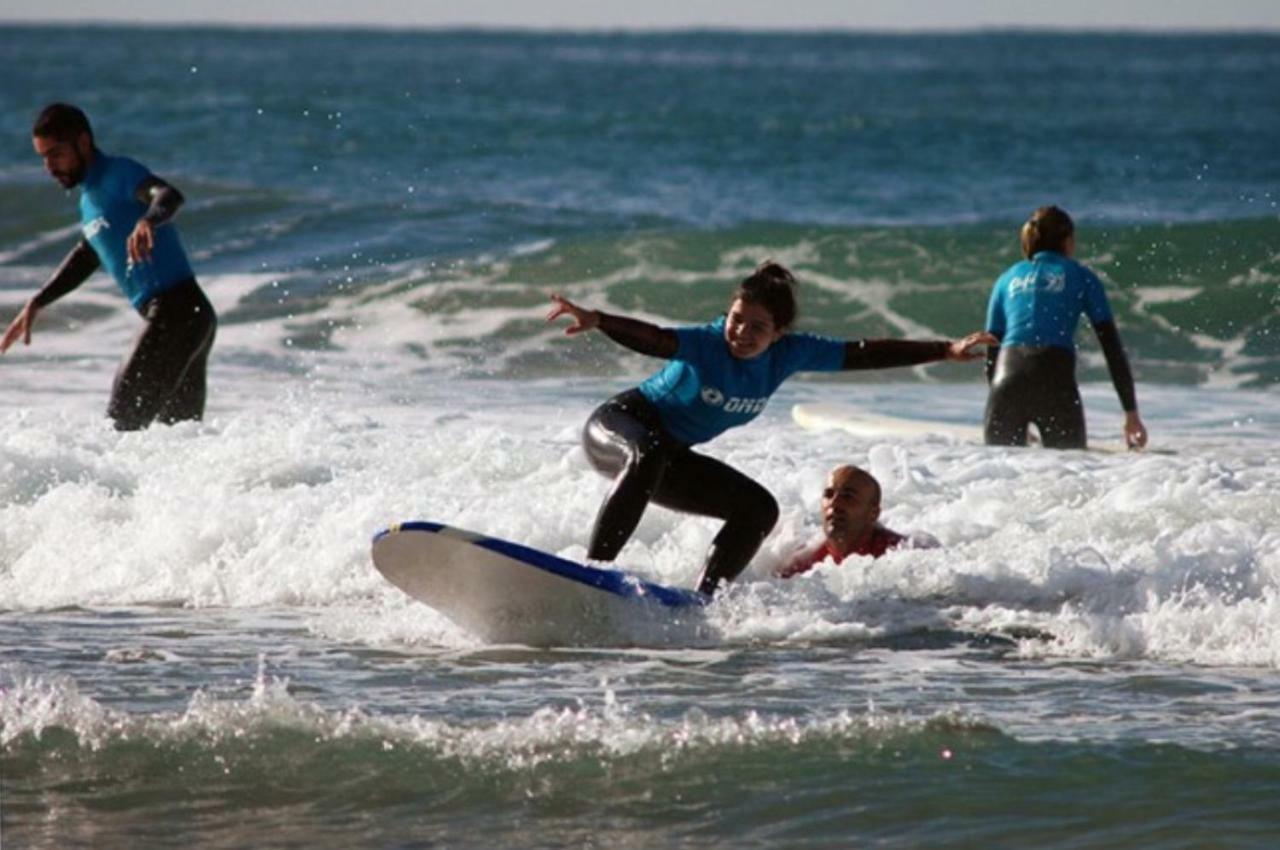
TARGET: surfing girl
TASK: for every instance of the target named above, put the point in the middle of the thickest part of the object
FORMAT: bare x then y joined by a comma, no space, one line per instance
1034,309
718,376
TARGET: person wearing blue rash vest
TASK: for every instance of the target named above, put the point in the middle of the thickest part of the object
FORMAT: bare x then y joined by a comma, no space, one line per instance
125,216
1034,309
718,376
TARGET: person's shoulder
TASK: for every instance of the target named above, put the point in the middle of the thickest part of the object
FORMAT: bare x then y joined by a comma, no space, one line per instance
803,560
920,540
691,340
804,350
793,341
891,539
1081,272
1019,268
125,172
116,162
707,330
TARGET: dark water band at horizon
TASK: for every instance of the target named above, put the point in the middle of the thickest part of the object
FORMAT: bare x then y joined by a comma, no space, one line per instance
695,128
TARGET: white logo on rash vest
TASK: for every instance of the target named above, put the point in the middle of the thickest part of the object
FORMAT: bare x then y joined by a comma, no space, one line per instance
92,228
1023,283
1054,282
715,398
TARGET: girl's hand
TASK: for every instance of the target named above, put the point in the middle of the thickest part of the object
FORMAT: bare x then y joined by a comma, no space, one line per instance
966,349
583,320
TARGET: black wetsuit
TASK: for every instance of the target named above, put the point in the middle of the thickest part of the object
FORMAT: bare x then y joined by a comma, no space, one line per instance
1036,385
626,438
163,378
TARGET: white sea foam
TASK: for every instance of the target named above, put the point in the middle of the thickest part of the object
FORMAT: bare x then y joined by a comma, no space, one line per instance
49,237
303,455
273,505
607,728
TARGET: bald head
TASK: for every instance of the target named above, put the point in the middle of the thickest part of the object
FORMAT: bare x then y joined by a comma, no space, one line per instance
850,507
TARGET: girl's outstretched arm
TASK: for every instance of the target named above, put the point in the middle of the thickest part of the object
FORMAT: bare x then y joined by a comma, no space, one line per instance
640,337
886,353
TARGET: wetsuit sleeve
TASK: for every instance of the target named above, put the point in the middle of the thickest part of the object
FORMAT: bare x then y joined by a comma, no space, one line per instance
1096,306
640,337
75,270
887,353
162,200
1117,364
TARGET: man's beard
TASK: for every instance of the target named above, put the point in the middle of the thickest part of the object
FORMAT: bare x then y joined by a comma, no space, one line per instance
72,178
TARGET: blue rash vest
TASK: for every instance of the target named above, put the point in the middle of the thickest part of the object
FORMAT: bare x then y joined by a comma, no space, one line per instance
1039,301
704,390
109,210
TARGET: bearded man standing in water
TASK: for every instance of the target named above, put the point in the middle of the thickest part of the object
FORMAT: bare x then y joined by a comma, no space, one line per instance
125,221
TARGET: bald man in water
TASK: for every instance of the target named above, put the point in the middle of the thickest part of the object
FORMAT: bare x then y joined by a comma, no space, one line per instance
850,514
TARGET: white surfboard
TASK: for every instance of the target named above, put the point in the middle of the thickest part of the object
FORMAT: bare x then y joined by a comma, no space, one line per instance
504,592
873,426
861,423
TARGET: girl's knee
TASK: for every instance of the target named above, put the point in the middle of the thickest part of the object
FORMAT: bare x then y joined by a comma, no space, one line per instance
761,509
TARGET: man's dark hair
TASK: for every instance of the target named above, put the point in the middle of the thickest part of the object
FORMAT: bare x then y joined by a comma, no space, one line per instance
63,122
773,287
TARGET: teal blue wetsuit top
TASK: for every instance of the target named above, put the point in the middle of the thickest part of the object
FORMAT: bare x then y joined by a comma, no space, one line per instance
704,390
1039,301
109,210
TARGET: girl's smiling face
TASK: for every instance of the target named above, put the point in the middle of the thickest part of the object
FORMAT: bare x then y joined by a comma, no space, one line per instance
749,329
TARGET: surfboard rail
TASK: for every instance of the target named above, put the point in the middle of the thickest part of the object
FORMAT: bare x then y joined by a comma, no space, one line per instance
618,583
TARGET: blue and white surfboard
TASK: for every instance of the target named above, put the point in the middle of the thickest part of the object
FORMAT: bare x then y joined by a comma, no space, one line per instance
498,589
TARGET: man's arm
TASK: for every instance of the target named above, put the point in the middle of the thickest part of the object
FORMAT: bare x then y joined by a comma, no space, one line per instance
75,269
162,202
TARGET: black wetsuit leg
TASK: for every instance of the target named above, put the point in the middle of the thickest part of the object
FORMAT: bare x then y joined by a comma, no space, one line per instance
1035,385
625,438
164,377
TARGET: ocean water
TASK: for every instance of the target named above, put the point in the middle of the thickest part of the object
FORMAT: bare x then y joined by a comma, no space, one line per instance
195,649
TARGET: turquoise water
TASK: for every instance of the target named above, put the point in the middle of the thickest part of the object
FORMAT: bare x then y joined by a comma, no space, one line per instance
479,169
196,651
